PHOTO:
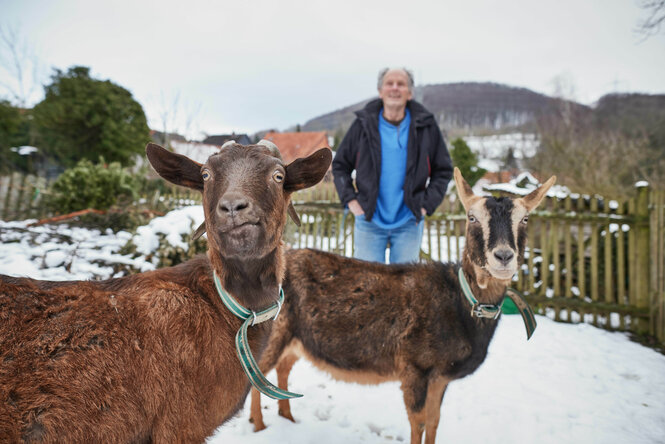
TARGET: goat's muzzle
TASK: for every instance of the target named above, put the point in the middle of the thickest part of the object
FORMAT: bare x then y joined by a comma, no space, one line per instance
502,263
234,205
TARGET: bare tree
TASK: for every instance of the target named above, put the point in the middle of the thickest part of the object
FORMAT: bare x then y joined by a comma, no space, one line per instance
564,93
20,70
191,112
176,116
168,114
655,17
592,159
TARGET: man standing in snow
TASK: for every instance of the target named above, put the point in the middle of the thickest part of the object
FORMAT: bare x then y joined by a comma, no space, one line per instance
402,170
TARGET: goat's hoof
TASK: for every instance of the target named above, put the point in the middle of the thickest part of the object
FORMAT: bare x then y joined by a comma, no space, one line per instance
258,425
286,415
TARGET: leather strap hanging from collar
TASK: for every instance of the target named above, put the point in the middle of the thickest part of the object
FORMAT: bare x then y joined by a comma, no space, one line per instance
247,360
493,311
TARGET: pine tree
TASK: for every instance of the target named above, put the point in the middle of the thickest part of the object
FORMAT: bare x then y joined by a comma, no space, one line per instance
85,118
14,132
466,161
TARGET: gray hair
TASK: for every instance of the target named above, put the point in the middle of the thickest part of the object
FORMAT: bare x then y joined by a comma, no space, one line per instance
408,73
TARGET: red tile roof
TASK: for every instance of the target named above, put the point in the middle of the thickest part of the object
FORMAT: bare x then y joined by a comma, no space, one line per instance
296,145
499,177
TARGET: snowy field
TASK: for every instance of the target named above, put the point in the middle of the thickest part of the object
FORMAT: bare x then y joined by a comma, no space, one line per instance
569,383
491,150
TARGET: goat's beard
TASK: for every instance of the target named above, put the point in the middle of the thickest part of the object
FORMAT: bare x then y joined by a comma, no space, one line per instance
500,271
246,241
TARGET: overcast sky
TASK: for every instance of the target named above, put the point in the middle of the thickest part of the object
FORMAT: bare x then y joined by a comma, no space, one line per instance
250,65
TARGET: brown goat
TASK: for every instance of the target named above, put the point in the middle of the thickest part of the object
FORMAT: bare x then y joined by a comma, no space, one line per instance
151,357
368,323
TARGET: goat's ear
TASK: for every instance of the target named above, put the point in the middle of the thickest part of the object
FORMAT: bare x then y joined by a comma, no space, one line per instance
308,171
464,191
532,199
175,168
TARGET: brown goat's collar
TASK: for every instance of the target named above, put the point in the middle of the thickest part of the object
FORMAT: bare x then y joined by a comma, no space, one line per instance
478,310
244,313
250,318
493,311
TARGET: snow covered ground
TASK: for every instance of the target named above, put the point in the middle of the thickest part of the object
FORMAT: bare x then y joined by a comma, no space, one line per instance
492,150
569,383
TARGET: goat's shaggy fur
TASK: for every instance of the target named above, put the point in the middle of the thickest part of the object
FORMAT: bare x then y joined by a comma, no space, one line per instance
369,323
151,357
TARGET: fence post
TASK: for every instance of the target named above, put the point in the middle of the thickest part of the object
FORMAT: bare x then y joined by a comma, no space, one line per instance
5,188
642,266
8,197
657,287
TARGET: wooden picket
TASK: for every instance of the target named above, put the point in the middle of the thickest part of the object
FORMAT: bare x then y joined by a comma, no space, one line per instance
21,196
586,260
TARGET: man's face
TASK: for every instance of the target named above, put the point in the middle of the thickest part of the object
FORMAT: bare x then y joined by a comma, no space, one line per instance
395,89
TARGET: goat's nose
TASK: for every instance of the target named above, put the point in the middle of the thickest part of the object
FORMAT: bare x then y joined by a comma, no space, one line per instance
233,203
504,255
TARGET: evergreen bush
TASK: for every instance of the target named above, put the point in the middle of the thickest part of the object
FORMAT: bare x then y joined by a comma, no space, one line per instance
82,118
466,161
87,185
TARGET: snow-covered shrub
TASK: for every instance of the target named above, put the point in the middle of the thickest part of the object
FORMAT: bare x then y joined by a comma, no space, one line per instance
167,240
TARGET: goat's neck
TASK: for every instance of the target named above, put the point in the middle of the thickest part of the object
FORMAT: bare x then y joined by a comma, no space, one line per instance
486,288
255,282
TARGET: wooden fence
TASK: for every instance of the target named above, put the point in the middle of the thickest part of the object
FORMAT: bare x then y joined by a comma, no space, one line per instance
21,196
589,259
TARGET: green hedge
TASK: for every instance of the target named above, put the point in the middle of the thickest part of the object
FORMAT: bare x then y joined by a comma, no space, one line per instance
87,185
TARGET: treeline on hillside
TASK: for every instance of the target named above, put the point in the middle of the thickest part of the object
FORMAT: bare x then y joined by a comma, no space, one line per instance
608,150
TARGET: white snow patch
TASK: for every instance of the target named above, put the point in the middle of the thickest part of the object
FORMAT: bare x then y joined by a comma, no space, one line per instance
173,225
24,150
569,383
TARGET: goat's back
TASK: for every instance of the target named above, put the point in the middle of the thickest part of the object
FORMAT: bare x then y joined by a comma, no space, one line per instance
114,358
355,315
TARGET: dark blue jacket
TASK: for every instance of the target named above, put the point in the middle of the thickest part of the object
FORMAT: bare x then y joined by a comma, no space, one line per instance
427,158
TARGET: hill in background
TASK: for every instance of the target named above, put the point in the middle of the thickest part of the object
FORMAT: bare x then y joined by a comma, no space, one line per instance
465,108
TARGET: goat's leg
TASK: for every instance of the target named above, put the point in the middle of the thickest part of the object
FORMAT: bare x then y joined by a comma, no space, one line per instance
283,370
279,338
255,413
436,388
414,389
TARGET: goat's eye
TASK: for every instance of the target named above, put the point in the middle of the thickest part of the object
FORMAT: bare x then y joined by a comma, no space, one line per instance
278,176
205,174
472,219
525,219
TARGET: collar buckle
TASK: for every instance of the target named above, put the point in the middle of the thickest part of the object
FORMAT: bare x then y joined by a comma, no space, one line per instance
488,311
279,308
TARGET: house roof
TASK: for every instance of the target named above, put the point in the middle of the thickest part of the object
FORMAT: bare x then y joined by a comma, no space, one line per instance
500,176
221,139
196,151
297,145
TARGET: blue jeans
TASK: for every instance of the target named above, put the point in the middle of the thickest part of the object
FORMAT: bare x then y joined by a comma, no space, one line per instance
370,241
